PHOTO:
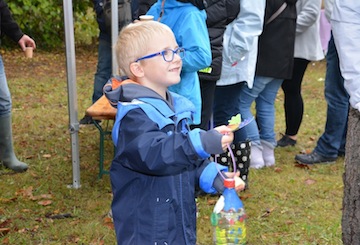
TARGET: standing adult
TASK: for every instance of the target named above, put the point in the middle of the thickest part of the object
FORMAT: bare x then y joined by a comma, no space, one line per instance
187,19
238,61
345,22
307,48
274,64
127,11
9,27
219,14
331,144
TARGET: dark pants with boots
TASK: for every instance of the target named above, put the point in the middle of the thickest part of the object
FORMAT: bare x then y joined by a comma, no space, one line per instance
241,151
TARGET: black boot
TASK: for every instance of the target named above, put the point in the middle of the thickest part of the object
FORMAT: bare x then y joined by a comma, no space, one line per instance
241,151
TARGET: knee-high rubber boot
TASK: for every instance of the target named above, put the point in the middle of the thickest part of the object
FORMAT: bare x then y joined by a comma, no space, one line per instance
241,151
7,155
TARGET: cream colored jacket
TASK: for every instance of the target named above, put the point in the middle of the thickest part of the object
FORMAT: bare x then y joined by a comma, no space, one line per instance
307,40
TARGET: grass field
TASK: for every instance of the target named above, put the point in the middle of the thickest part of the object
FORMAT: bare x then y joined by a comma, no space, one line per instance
286,204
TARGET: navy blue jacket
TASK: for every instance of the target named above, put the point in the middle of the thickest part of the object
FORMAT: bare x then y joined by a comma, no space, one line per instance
157,165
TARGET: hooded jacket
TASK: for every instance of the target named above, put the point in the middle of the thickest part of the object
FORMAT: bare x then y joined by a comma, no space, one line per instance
8,26
219,14
189,26
157,165
240,44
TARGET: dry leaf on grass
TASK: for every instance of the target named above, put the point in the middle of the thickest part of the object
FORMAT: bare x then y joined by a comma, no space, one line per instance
45,202
277,170
310,181
299,165
4,231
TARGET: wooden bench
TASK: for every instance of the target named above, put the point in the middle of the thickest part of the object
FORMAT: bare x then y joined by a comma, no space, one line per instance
103,111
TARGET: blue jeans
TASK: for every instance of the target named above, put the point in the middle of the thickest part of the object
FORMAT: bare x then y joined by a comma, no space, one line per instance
104,68
332,141
226,105
264,94
5,96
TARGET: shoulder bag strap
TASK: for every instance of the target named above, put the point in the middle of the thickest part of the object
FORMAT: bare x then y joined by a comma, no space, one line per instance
277,13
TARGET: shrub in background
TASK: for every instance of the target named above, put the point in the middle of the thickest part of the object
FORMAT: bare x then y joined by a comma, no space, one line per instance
43,20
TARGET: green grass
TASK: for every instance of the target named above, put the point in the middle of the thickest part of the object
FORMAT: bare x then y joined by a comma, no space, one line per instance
286,204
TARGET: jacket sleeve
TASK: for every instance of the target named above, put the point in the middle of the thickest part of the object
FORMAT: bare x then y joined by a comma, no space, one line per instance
194,37
210,180
307,15
143,147
245,28
8,24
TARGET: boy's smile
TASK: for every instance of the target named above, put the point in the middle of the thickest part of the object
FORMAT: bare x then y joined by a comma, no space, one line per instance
157,73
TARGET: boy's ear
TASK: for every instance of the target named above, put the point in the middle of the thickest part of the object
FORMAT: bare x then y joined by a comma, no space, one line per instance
136,69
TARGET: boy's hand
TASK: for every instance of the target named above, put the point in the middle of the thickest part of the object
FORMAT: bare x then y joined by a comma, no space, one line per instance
228,135
239,183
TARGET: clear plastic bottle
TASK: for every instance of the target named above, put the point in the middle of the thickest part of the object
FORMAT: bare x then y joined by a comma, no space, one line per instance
228,217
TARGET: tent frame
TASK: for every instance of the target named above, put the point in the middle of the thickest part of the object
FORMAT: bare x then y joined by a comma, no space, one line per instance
71,81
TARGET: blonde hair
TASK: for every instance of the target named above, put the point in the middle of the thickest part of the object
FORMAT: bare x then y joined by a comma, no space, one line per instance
132,42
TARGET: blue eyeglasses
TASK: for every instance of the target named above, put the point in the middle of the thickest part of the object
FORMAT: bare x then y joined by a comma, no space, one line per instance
167,54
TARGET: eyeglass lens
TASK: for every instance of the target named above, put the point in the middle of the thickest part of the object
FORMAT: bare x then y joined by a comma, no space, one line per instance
168,54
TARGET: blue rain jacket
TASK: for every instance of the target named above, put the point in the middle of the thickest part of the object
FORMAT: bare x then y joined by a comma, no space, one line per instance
158,164
189,26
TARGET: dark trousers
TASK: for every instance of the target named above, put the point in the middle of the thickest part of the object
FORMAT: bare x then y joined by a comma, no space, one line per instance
293,102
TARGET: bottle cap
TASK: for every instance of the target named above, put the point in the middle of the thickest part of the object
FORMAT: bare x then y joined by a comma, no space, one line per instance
229,183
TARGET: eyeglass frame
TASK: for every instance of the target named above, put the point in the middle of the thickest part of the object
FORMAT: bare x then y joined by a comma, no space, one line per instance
179,49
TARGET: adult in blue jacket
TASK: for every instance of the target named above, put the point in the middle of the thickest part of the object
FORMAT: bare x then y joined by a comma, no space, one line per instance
189,26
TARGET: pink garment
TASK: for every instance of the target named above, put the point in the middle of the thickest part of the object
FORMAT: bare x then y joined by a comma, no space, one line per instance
325,31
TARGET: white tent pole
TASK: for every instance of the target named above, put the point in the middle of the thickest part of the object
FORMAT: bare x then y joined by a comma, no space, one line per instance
72,92
114,33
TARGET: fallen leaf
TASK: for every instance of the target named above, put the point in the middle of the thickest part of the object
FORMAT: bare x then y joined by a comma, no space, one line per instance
4,231
23,230
299,165
310,181
245,196
7,200
5,240
5,223
278,170
45,202
25,192
43,196
47,156
289,222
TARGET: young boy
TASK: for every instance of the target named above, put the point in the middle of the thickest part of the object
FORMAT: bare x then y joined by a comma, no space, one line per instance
158,161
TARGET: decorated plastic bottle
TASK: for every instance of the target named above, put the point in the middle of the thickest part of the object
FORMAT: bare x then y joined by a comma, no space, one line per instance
228,217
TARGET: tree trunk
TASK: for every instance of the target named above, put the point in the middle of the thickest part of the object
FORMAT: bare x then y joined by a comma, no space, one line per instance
351,201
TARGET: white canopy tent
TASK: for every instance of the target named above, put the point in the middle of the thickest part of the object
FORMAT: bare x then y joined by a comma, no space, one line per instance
71,81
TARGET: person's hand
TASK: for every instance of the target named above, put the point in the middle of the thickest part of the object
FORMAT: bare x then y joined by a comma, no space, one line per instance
239,183
26,41
228,136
